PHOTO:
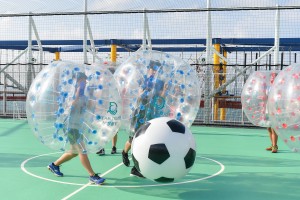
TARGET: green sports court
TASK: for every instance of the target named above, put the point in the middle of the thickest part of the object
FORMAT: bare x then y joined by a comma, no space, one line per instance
222,45
231,163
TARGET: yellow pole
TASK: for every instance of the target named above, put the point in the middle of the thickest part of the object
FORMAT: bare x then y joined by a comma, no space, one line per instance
224,68
216,68
113,53
57,55
223,110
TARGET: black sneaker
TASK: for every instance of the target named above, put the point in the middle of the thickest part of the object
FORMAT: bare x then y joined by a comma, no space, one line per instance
135,172
101,152
125,159
113,150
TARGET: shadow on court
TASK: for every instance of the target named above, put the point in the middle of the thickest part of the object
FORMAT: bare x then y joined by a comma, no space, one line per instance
241,186
254,161
13,129
15,160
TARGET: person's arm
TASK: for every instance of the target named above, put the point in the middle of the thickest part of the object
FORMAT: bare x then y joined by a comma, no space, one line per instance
163,92
79,92
141,86
140,92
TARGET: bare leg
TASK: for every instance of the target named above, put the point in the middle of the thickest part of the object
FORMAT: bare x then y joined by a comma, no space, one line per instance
270,130
127,147
86,163
114,140
274,138
270,134
64,158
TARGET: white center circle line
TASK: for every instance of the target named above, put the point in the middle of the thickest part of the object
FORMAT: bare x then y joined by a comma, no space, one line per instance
222,168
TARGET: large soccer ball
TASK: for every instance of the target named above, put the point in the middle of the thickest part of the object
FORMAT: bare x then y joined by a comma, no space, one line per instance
163,149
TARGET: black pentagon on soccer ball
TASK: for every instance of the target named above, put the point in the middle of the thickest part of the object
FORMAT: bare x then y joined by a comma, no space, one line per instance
158,153
189,158
136,163
176,126
164,180
142,129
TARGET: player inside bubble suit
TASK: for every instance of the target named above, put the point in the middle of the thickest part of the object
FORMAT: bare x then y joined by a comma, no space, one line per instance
150,102
272,133
151,97
74,125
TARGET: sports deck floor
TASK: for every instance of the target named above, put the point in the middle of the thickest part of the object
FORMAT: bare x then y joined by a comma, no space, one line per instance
231,164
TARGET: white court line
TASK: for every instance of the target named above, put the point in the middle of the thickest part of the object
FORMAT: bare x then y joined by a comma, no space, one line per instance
51,180
86,185
117,186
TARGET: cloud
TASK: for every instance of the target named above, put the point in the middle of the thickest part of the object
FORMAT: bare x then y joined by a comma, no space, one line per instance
140,4
162,25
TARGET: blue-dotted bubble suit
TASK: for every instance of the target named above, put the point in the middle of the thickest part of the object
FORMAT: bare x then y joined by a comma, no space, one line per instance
155,84
74,108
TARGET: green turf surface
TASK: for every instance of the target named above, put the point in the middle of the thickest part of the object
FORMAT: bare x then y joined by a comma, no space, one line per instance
231,164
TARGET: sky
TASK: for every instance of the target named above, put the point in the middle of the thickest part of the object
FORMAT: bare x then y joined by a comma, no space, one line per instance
42,6
225,24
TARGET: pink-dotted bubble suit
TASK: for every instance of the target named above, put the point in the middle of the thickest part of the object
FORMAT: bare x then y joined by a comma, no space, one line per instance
74,107
255,96
284,106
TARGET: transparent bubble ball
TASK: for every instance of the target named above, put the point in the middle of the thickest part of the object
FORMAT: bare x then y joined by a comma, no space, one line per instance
74,107
284,106
254,97
156,84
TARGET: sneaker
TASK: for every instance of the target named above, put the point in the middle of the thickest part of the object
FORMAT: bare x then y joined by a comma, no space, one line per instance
269,148
125,159
274,149
101,152
135,172
114,150
55,169
96,179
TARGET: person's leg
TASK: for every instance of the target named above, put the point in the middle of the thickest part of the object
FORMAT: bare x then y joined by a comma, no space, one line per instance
64,158
86,164
94,178
125,151
270,136
127,146
274,138
114,144
114,140
54,167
